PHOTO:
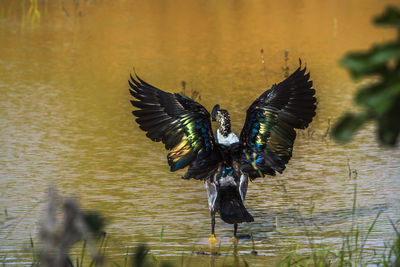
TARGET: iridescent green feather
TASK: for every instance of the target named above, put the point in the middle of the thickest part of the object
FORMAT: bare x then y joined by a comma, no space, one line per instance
268,134
182,124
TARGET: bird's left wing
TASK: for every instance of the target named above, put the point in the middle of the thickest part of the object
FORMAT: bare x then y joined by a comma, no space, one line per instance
268,134
181,123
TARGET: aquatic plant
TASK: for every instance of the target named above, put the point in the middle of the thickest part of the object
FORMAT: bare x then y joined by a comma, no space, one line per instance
285,68
351,251
33,11
380,101
195,95
264,68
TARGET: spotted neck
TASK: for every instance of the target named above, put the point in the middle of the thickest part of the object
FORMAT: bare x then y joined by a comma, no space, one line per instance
224,122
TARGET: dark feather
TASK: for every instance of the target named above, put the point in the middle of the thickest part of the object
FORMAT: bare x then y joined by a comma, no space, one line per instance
268,133
182,124
232,209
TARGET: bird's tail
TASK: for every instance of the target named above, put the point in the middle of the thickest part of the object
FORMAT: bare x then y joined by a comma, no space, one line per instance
231,208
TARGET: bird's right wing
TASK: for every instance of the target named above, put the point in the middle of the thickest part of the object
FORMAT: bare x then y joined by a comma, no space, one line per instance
182,124
268,134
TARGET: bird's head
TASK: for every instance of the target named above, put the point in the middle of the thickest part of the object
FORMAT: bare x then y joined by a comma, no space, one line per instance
223,119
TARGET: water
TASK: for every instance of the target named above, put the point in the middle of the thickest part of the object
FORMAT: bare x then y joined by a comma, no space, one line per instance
65,120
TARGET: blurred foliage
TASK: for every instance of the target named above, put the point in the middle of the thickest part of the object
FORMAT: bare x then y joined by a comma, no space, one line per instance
64,224
380,101
95,222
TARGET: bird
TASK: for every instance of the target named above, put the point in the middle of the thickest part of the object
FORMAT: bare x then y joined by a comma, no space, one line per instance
224,161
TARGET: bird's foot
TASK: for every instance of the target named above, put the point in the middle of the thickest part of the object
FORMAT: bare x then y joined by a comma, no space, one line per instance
213,239
233,239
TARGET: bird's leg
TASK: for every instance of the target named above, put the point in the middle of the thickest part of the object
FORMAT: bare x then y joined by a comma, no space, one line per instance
212,238
212,193
235,227
213,223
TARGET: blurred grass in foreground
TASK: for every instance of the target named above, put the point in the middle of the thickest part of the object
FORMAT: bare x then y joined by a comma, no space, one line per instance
65,227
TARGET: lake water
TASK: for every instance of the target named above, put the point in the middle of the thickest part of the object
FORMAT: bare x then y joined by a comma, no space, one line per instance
65,119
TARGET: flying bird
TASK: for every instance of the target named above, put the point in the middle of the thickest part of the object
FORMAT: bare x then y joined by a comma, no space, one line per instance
224,161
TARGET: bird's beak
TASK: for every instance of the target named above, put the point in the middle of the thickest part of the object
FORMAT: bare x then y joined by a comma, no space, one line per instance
214,112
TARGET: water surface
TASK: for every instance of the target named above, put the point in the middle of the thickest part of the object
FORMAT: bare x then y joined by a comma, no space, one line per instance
66,120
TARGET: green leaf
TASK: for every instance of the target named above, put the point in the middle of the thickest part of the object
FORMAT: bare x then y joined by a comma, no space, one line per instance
348,125
373,61
389,124
391,17
379,97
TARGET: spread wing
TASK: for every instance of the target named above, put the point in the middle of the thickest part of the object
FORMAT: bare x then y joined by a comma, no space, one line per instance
182,124
268,134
